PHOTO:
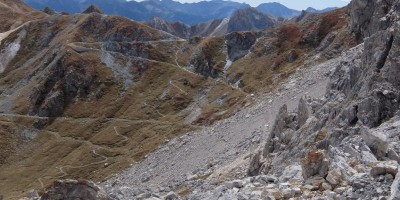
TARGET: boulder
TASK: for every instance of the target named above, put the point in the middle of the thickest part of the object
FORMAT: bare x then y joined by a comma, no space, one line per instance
315,163
326,186
302,112
171,196
255,165
376,140
334,176
282,131
275,193
74,189
395,188
385,167
288,193
237,183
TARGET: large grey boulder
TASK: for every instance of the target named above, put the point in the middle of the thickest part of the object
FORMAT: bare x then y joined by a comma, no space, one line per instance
385,167
302,112
74,189
282,131
377,141
395,189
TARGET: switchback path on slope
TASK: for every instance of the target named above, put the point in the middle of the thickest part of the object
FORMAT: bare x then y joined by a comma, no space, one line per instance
224,142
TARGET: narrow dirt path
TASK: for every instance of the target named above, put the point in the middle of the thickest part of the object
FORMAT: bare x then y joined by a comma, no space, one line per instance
93,146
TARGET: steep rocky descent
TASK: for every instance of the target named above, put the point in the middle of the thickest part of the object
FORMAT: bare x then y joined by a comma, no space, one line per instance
345,145
211,155
85,95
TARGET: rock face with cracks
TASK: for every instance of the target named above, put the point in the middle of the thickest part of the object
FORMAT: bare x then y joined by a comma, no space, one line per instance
348,141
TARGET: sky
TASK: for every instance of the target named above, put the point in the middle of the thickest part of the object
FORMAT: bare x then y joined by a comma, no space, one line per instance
295,4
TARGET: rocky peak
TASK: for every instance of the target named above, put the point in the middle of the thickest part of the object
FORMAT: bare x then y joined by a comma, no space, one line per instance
93,9
49,11
250,19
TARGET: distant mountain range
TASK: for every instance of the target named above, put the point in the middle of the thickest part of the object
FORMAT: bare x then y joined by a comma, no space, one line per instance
188,13
246,19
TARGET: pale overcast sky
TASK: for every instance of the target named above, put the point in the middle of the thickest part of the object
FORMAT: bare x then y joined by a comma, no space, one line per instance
295,4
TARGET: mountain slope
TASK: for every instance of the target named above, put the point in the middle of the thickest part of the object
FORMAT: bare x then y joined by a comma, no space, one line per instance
85,95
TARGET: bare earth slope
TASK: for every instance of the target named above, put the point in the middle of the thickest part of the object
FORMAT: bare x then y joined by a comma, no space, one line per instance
183,161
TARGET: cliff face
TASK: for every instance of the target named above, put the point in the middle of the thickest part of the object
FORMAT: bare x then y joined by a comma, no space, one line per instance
344,140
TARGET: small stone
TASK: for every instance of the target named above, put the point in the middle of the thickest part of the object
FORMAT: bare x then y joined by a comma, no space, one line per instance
284,185
297,190
340,190
288,193
33,194
310,187
145,179
331,195
171,196
316,181
256,193
143,196
257,184
385,167
326,186
237,184
271,186
271,179
229,184
241,196
275,193
389,178
334,176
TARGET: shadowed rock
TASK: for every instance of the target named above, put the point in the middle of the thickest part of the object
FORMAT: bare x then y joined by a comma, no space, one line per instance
93,9
74,189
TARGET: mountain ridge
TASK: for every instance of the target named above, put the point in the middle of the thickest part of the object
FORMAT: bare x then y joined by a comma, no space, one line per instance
189,13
